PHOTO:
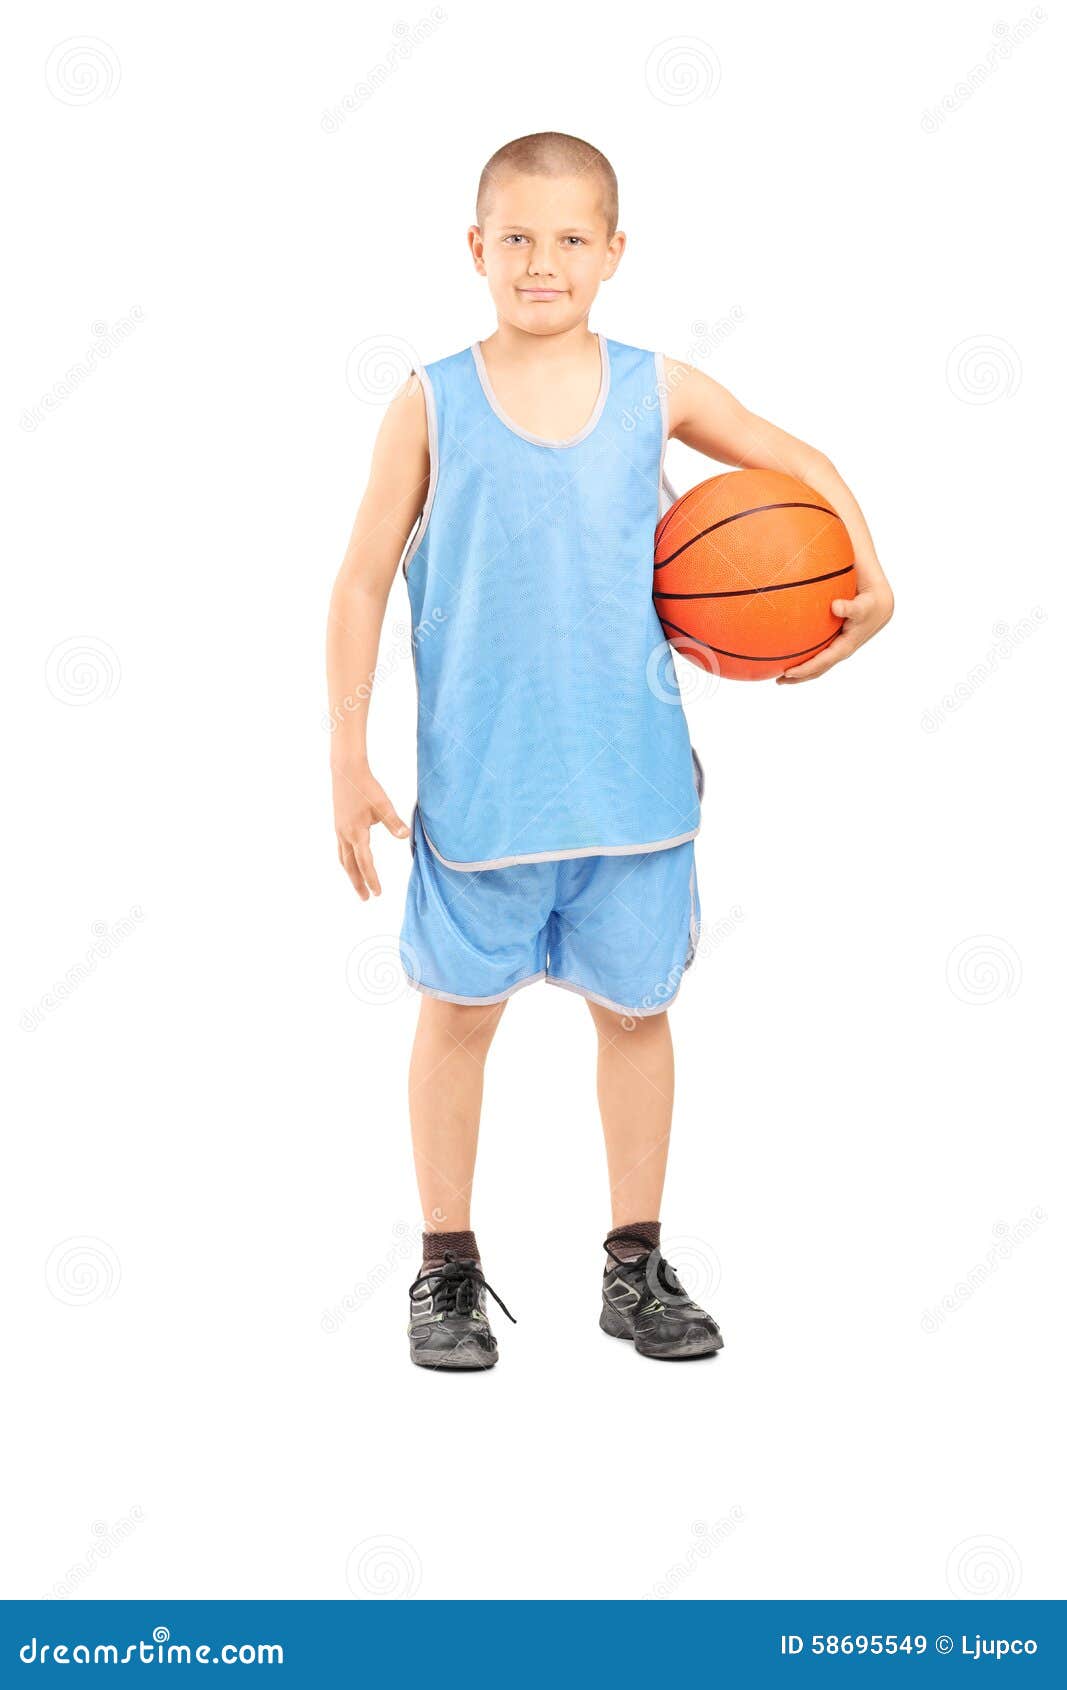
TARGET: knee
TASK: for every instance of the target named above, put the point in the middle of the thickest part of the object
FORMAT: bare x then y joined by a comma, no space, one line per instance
615,1025
470,1024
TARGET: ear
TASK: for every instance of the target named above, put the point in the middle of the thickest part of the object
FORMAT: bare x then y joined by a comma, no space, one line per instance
616,248
476,242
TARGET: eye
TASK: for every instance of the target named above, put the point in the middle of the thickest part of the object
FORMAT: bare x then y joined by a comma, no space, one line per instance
577,238
508,238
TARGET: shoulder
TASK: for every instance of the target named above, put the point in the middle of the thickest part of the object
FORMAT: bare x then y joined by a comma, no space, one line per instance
407,425
696,398
680,380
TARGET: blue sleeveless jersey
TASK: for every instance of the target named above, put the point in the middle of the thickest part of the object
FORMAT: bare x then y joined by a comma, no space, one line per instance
549,719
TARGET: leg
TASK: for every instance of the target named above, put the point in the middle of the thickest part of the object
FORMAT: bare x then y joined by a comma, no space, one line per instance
643,1299
635,1089
445,1095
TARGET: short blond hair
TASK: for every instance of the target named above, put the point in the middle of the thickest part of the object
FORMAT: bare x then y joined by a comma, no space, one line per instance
550,154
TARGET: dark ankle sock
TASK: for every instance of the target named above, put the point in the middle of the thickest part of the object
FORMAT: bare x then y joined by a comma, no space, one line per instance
646,1231
462,1245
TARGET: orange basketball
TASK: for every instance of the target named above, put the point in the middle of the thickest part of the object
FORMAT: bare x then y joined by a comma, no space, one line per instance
747,565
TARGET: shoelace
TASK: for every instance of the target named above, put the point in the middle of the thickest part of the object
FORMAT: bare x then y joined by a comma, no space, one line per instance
455,1277
661,1270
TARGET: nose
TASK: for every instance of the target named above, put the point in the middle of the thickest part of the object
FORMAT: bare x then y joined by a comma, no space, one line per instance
541,262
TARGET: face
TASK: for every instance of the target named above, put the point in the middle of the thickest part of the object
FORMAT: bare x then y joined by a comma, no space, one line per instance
544,250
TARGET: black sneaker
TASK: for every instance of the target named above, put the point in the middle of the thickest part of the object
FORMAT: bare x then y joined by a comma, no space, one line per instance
645,1302
449,1326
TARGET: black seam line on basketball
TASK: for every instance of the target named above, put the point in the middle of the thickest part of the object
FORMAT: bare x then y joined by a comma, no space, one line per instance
748,592
786,505
746,656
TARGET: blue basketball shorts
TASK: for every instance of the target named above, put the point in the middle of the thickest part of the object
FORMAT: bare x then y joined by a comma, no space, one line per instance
621,930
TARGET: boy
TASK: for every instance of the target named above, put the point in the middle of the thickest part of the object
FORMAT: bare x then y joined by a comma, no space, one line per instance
558,798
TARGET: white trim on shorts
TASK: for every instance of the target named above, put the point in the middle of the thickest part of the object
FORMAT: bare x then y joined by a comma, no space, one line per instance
609,1003
455,997
639,1014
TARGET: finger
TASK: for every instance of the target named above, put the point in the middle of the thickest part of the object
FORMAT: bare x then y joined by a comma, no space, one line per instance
365,864
847,609
818,664
392,821
351,868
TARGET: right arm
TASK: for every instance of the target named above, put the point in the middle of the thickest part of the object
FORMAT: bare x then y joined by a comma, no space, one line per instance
396,492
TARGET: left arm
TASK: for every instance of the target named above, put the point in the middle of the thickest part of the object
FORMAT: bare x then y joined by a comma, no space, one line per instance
708,418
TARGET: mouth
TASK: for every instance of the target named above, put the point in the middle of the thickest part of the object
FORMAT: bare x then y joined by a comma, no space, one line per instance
541,293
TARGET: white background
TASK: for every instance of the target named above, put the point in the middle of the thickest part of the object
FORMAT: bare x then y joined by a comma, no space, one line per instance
208,1156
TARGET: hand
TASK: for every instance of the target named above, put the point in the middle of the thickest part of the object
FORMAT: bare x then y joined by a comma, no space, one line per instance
862,616
359,802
